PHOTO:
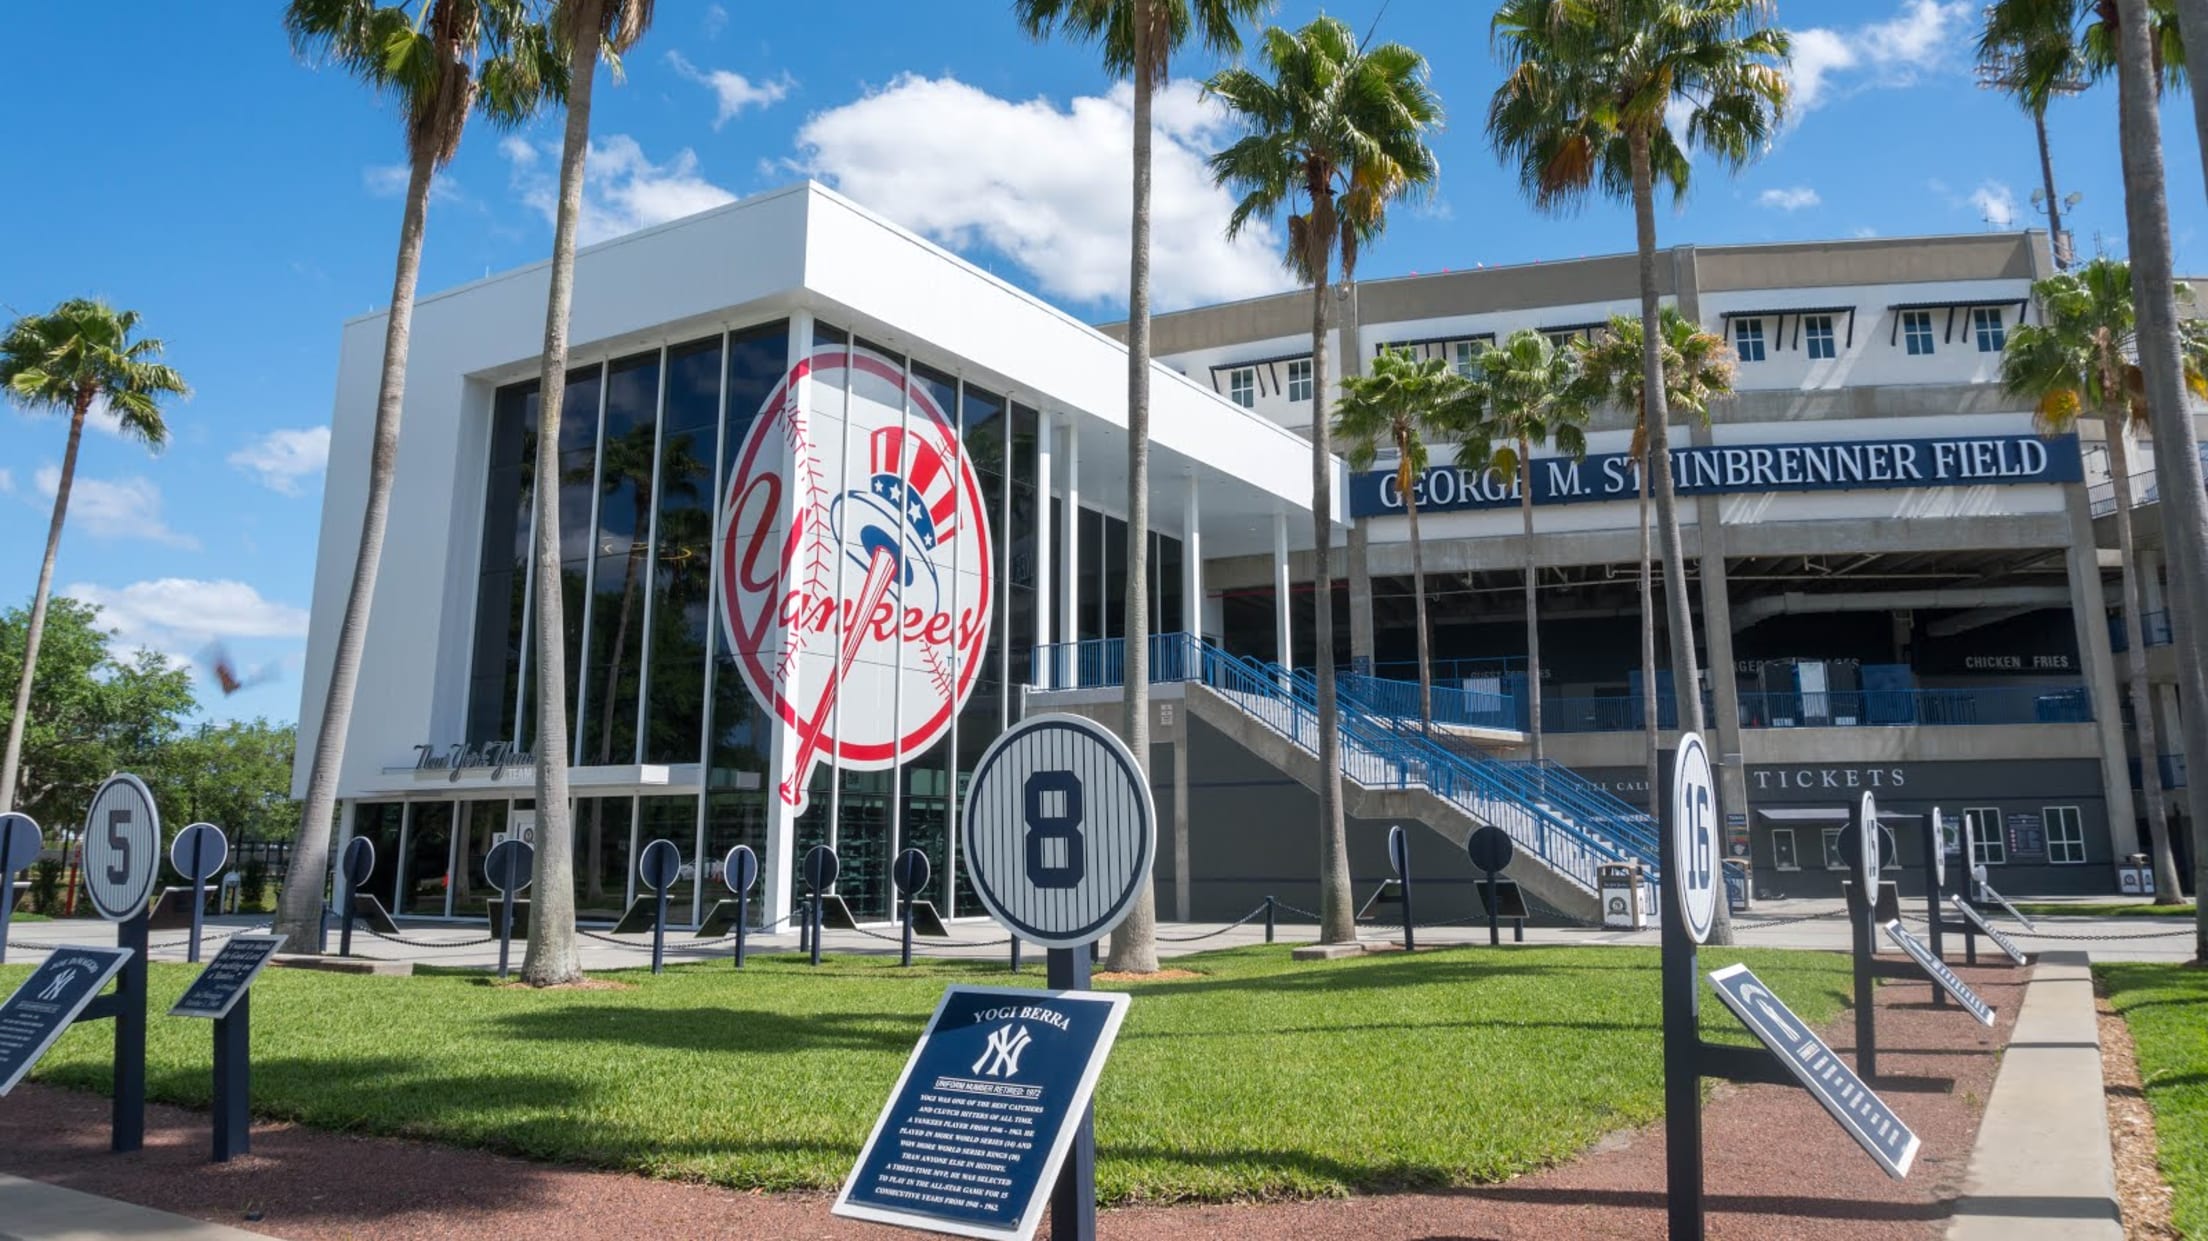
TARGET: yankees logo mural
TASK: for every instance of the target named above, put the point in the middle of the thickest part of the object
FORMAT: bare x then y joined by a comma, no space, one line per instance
855,566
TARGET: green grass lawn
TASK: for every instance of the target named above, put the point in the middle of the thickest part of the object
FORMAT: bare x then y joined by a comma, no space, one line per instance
2101,909
1261,1078
2167,1009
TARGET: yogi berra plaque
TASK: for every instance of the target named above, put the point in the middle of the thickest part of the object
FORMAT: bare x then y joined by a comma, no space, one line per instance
1059,830
855,564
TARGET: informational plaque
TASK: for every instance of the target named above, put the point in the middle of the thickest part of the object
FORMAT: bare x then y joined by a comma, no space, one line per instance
1863,1114
1985,928
1949,981
980,1122
51,998
218,988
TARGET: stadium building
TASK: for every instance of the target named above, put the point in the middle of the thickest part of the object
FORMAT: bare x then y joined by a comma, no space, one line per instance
837,506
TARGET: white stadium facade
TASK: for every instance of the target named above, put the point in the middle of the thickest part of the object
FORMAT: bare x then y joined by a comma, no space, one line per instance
837,506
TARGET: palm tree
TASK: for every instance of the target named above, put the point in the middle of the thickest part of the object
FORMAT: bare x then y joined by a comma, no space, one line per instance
448,59
2078,362
1525,395
1333,136
586,31
1138,38
76,357
1698,370
1583,107
1400,404
2020,56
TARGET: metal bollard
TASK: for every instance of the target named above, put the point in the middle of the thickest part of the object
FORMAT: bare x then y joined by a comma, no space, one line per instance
1015,954
1270,905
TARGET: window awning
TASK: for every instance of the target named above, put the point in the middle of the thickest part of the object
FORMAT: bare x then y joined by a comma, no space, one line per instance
1805,814
1798,313
1585,331
1434,346
2022,304
1262,367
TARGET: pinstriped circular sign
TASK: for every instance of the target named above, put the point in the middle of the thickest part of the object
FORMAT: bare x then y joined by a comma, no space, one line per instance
1059,830
122,848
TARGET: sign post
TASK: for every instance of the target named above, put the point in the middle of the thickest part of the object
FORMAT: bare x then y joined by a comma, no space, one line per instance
198,853
223,993
510,866
1491,849
739,871
122,856
1687,798
1399,857
1059,835
659,868
19,847
1859,844
358,864
821,866
910,874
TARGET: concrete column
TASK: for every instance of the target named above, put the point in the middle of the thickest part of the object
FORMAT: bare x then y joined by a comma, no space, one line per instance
1724,719
2150,579
2089,610
1045,487
1360,597
1069,557
1192,558
1283,632
777,858
1181,824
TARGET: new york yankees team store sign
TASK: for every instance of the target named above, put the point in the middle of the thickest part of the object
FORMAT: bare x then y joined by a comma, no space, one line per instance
855,566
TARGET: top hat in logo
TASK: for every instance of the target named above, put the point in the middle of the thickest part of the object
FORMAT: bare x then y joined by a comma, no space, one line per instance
855,566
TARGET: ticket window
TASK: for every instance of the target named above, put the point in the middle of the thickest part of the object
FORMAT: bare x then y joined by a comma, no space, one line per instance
1783,855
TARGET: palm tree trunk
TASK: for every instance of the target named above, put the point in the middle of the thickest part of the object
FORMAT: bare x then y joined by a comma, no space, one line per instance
2177,459
1678,615
1533,617
299,908
1651,715
2166,888
2063,258
1418,612
1135,941
1337,910
35,631
552,957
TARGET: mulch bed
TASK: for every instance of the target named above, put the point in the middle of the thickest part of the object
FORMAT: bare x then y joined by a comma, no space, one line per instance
2146,1199
1778,1168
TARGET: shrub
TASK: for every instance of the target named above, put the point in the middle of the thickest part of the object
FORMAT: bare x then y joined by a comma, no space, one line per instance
46,887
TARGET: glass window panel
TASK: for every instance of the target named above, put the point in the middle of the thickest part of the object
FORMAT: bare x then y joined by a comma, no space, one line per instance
602,856
1020,550
862,844
675,819
1748,339
1817,330
504,576
1916,328
481,821
378,823
579,408
622,547
733,819
682,611
738,725
428,855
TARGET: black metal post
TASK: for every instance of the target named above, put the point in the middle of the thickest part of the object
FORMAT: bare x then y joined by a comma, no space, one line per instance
505,931
804,924
1862,909
233,1081
345,889
659,933
816,916
1015,954
130,1037
904,957
1270,904
1410,935
1494,930
743,915
1517,930
199,893
1682,1044
7,891
1073,1198
1933,917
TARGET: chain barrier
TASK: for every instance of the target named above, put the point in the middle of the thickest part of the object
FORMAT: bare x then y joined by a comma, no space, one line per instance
1770,924
2107,938
1190,939
425,943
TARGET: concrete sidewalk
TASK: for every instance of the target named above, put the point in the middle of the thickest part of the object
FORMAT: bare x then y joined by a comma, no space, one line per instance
36,1211
2042,1167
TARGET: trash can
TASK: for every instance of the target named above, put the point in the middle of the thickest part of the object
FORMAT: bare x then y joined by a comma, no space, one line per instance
2136,876
1619,885
1736,885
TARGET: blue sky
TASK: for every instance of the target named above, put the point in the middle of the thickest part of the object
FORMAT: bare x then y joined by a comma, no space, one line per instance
247,204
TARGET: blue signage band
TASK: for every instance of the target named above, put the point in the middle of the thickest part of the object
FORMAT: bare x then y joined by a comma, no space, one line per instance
1739,469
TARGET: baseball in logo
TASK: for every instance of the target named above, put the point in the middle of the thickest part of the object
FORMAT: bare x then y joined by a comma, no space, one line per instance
855,566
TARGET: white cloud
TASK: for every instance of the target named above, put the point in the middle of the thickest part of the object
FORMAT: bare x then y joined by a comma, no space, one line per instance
7,482
1996,204
1792,198
125,508
1921,36
716,20
1048,188
623,190
175,614
735,91
389,181
283,459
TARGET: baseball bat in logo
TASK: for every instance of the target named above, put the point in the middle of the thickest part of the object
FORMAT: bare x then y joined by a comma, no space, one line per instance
855,566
